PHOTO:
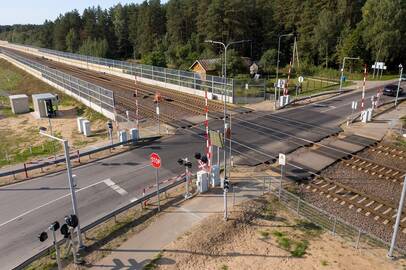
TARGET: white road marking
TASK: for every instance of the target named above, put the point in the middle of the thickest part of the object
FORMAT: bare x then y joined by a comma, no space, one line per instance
329,109
133,199
115,187
48,203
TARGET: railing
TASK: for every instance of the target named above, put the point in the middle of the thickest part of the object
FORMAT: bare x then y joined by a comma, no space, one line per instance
327,221
101,220
213,84
96,95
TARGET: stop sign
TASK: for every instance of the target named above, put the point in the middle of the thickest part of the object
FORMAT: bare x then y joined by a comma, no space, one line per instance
155,160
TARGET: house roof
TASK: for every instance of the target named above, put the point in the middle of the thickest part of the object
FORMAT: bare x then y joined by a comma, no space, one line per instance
207,64
210,64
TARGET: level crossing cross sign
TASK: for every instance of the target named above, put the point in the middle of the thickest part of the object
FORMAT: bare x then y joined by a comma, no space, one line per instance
155,160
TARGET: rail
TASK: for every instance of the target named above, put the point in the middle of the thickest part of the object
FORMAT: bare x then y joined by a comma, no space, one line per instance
328,221
93,94
101,220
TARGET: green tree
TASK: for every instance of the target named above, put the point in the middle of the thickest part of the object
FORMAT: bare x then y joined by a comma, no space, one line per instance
94,47
268,60
72,41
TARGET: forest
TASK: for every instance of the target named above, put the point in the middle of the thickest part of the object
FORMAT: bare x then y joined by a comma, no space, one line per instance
173,33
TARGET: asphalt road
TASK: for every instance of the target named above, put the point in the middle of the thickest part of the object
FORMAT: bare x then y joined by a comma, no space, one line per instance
29,207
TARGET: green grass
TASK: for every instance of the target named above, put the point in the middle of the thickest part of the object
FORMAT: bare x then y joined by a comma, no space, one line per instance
297,248
224,267
309,229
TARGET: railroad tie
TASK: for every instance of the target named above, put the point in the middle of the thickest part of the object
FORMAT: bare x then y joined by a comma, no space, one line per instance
308,187
314,190
338,191
403,220
374,167
369,164
328,196
378,207
381,169
363,199
385,221
367,214
387,210
370,203
335,199
350,206
362,163
377,217
319,182
333,187
353,197
325,185
395,173
359,210
342,203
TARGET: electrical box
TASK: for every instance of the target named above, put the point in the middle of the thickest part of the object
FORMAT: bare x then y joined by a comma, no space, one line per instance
215,176
134,135
19,104
79,121
284,100
122,136
45,105
86,128
366,115
202,181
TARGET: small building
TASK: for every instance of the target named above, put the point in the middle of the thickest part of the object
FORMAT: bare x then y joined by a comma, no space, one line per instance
44,104
19,104
206,67
212,66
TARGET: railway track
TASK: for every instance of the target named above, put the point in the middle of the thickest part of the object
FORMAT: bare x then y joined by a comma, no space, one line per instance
388,150
375,169
375,208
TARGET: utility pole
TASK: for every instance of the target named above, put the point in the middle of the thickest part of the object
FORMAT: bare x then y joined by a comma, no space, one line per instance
400,79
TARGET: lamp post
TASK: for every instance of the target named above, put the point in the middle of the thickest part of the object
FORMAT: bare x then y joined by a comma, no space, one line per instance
70,178
400,79
225,46
279,48
342,70
277,63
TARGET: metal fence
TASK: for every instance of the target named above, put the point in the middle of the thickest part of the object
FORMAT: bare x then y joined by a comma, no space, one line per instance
330,222
94,94
249,91
214,84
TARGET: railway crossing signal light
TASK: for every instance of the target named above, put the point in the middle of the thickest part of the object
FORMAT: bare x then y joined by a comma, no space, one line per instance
65,231
198,156
72,221
54,226
43,236
226,185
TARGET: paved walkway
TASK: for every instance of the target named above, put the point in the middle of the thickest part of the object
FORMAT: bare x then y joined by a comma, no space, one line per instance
172,223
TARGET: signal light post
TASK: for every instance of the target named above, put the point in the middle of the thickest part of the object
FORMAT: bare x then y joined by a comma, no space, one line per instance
70,179
187,165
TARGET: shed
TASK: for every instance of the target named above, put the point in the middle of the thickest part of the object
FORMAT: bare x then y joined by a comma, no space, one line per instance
19,104
210,66
45,102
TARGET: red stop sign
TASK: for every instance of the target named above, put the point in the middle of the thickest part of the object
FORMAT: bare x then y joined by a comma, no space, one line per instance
155,160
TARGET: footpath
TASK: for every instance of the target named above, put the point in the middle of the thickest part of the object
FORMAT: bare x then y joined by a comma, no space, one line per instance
174,221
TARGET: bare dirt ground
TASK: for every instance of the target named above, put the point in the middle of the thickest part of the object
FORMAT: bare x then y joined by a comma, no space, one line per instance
263,235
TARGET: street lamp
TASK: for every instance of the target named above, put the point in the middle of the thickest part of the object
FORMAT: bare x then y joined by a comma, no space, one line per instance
42,131
279,48
342,70
400,79
225,88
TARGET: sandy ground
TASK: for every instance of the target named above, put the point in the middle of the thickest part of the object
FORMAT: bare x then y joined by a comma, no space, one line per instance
240,244
26,125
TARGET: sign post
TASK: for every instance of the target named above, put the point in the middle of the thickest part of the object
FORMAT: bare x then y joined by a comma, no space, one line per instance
156,163
282,162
